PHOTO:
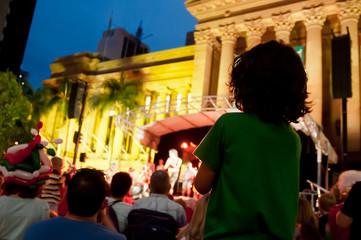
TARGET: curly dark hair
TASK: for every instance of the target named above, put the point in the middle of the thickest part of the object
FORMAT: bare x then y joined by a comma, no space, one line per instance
270,81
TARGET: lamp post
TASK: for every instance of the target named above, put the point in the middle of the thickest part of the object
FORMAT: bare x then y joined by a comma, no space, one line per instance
111,135
80,122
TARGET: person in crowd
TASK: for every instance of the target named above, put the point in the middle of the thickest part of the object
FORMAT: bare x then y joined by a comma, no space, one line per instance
137,189
326,202
344,184
25,168
194,230
350,213
250,159
119,188
109,173
306,227
181,202
52,188
172,165
19,207
63,205
187,184
160,165
148,169
158,199
190,206
86,196
2,180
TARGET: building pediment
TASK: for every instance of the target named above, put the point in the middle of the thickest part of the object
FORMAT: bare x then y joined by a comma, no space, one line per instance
213,10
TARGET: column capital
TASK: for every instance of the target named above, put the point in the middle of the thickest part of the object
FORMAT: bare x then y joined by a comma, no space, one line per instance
255,27
228,33
349,10
204,36
283,22
314,17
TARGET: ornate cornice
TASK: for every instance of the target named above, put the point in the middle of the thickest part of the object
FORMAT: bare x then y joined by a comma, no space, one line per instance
283,22
255,27
314,17
228,33
203,37
349,10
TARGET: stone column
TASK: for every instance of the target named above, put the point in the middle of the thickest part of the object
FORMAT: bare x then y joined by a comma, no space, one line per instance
283,26
255,31
349,14
314,19
202,63
228,35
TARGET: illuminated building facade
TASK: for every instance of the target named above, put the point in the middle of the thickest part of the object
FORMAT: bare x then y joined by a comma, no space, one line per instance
229,27
166,77
172,79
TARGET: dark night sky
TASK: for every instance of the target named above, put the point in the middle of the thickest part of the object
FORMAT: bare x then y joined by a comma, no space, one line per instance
64,27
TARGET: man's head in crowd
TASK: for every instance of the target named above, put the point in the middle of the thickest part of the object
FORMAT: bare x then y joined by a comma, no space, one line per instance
86,192
159,182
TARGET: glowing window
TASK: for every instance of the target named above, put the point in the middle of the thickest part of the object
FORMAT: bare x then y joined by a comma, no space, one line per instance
189,99
147,103
157,104
179,101
167,104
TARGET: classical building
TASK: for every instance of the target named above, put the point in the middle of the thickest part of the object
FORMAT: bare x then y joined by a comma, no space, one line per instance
228,27
185,87
167,79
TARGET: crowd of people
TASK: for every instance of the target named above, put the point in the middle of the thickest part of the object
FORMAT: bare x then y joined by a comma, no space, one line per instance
247,182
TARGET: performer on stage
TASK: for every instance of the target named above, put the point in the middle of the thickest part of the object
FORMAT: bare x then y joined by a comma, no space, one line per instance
160,164
189,175
148,169
173,166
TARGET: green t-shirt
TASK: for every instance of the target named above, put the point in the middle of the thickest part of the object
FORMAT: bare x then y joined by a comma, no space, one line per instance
256,192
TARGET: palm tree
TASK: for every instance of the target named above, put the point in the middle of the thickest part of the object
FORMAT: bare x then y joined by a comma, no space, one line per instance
39,103
119,95
44,100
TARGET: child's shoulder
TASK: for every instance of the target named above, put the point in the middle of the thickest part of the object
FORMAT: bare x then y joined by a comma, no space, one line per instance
237,116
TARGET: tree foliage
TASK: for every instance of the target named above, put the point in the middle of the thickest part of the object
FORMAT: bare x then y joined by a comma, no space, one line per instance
13,106
117,93
44,100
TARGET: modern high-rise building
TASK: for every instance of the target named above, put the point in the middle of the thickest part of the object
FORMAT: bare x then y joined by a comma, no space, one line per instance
118,43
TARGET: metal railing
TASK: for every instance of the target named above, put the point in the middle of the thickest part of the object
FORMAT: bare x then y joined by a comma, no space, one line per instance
127,121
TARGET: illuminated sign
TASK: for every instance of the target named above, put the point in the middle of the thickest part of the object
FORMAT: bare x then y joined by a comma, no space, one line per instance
300,51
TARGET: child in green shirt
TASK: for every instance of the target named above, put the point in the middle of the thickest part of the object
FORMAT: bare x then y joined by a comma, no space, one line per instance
250,159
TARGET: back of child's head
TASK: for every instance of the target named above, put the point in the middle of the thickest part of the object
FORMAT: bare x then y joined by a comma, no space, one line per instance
305,212
120,185
326,202
270,81
181,202
306,220
57,163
